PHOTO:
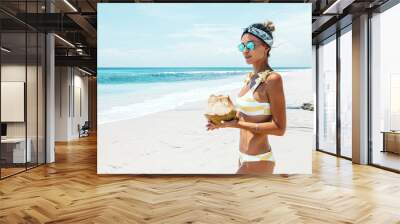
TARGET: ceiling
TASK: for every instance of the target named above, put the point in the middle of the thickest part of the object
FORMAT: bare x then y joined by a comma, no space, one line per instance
76,21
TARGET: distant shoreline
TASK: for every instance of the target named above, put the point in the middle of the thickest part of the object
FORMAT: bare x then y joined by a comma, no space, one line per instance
277,68
133,99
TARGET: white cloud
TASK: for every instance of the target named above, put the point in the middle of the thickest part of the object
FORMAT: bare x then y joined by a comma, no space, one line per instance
207,32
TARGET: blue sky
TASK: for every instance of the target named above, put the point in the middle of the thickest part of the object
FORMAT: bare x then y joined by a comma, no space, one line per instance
183,35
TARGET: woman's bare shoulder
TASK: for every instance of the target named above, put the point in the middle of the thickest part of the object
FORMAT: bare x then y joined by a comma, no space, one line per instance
273,79
275,76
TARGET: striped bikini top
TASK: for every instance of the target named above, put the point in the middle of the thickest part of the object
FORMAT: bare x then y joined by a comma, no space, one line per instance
247,104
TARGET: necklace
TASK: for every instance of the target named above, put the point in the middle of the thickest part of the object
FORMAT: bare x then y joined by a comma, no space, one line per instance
261,75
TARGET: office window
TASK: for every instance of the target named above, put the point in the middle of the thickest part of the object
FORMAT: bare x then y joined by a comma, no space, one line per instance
385,84
327,95
346,93
314,87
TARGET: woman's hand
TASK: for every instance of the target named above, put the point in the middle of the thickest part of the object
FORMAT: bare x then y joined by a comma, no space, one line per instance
230,124
224,124
211,126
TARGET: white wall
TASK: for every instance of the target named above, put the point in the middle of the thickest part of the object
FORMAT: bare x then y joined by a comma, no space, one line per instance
17,72
33,127
70,84
62,81
82,83
14,72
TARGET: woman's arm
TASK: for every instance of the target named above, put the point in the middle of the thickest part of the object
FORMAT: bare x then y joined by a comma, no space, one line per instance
277,126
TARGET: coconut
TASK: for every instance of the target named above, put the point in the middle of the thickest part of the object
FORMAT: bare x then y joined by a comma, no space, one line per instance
220,108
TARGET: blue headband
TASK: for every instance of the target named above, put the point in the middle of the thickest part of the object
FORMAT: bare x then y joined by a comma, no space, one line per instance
267,38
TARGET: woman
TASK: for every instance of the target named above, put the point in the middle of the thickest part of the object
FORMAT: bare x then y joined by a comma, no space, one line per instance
260,103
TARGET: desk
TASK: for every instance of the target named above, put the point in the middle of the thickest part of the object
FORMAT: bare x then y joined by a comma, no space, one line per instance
15,148
391,141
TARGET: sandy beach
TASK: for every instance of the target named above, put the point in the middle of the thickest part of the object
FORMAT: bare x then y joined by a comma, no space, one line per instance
177,142
164,130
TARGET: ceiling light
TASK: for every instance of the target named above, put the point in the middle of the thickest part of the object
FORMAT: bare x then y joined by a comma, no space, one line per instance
64,40
70,5
86,72
79,51
338,6
5,49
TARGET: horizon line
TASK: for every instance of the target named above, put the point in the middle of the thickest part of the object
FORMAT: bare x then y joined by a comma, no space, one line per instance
201,67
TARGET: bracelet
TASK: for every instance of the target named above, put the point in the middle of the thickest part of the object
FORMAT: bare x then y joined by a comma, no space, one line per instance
256,127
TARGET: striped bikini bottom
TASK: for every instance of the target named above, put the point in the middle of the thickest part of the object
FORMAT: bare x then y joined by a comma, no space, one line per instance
256,158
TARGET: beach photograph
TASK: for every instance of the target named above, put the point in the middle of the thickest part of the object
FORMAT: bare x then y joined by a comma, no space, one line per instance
156,79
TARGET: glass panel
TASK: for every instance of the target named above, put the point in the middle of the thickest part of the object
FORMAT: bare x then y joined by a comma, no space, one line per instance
314,88
386,89
31,100
31,84
13,87
1,125
41,98
327,96
23,89
346,93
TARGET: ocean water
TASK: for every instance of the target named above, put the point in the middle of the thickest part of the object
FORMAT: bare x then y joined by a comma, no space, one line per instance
126,93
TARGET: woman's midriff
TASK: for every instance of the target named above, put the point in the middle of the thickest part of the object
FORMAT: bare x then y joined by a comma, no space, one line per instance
253,143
